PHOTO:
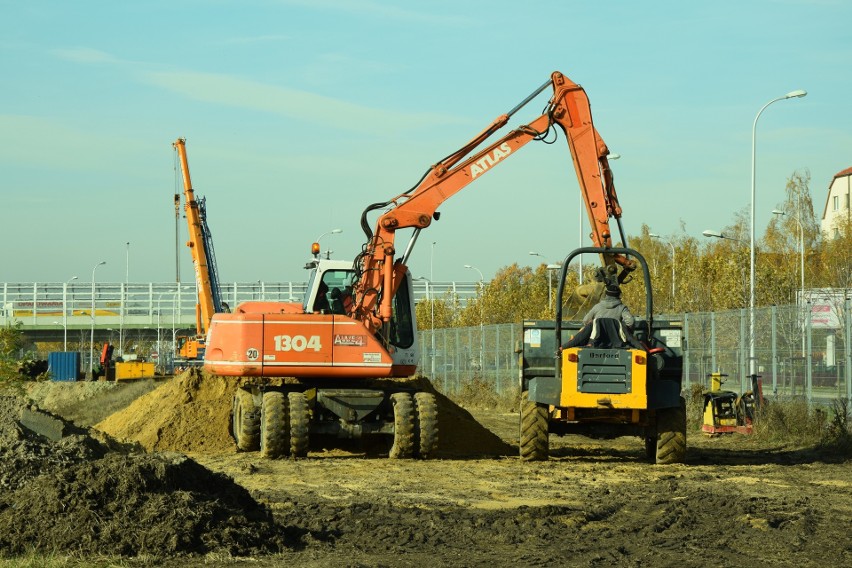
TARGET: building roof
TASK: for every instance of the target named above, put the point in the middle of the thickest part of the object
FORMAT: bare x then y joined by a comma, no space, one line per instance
842,173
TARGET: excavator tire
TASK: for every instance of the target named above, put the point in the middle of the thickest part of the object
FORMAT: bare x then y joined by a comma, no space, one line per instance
274,425
403,426
534,438
300,417
671,434
246,422
425,424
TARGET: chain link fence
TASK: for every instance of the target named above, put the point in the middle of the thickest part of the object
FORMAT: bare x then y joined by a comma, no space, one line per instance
798,352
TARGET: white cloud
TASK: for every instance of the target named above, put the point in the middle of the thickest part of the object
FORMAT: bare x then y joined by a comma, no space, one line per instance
256,39
378,10
85,55
310,107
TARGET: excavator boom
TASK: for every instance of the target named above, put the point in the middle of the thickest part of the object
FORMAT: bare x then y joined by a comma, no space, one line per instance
378,266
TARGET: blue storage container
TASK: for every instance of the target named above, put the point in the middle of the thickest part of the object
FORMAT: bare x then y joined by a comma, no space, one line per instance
63,365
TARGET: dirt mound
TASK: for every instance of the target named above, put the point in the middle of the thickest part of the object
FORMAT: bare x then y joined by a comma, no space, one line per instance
85,495
24,455
87,402
190,413
159,505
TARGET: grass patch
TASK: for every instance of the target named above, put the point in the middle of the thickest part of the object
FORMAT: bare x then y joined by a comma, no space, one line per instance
481,394
794,422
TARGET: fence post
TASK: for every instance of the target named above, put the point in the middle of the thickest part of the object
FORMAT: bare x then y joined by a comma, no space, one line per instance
810,377
744,359
713,363
847,316
774,351
685,347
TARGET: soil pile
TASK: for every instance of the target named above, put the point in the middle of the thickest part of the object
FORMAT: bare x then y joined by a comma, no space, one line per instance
190,413
24,455
85,496
157,505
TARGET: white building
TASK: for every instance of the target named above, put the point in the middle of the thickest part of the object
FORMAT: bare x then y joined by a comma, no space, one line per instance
837,203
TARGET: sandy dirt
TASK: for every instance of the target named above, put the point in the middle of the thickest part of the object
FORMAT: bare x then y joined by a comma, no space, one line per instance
595,503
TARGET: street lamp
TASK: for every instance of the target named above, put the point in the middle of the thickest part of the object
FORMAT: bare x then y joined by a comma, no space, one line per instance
751,356
802,268
533,253
92,337
801,246
65,313
655,236
331,232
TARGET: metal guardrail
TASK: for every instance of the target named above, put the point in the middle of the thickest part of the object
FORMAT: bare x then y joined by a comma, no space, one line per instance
54,305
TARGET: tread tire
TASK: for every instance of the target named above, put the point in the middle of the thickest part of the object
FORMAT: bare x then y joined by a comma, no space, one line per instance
246,423
300,417
534,436
403,426
671,434
425,424
274,427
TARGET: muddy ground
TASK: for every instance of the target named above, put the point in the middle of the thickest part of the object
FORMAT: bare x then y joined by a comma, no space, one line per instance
595,503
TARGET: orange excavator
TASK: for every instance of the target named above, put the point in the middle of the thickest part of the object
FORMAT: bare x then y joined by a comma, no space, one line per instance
323,366
189,351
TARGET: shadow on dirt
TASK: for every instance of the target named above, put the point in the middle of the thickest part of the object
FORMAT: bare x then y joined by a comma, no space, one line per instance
764,456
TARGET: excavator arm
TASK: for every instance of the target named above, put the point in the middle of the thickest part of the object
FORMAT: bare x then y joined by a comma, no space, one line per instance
379,271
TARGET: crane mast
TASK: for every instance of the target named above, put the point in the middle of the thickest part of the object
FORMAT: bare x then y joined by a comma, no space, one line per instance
200,245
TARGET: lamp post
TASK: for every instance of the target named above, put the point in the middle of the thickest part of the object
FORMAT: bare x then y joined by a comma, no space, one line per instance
331,232
124,300
549,285
751,351
65,313
655,236
801,247
92,337
802,267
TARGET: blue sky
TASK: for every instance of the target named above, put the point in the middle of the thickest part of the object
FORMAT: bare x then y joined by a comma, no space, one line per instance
298,114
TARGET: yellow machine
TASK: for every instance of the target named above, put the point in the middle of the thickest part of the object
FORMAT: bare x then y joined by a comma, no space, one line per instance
725,412
608,387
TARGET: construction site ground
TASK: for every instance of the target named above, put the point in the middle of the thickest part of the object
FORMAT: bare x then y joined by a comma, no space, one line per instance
175,492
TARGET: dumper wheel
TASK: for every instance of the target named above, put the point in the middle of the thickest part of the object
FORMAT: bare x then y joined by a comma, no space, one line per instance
300,417
274,425
534,440
245,425
671,434
425,424
403,426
